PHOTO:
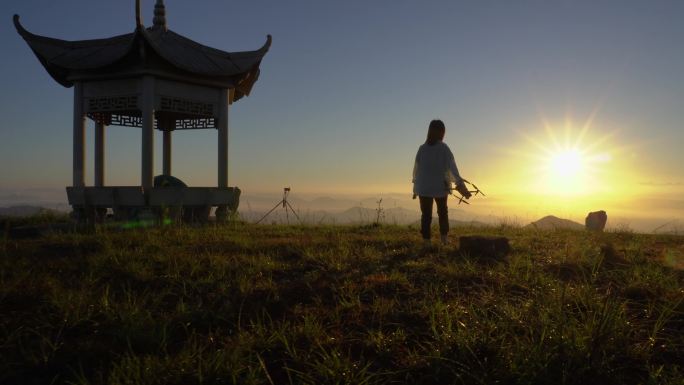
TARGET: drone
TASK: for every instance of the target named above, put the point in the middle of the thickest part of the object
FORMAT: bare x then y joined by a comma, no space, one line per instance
464,191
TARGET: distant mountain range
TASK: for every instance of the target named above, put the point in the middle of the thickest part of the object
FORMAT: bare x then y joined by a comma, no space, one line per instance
353,215
327,210
24,211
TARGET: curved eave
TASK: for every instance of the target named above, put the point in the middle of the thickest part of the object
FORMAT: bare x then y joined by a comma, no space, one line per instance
63,58
194,58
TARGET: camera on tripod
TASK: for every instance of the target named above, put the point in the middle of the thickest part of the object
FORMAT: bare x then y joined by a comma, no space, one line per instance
286,205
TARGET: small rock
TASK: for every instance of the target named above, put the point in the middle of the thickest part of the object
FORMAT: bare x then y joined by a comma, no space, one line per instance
596,220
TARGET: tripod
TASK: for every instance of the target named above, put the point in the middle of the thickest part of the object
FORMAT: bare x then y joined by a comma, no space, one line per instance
286,205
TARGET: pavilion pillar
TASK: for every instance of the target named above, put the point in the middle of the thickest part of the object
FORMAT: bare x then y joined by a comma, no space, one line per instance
167,152
147,166
99,154
223,139
79,137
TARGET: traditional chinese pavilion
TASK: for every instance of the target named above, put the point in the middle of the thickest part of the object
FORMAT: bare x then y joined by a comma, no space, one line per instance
152,78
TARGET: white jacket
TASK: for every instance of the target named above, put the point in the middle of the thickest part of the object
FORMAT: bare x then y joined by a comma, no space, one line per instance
434,170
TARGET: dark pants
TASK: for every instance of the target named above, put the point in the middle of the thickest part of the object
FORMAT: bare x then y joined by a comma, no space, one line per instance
426,215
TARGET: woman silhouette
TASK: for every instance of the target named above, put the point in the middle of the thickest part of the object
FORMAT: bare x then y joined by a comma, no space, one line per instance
433,172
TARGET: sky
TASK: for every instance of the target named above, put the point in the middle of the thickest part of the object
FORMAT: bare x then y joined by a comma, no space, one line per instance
551,107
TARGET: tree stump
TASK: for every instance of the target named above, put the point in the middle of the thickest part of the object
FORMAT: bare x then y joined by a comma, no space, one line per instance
484,247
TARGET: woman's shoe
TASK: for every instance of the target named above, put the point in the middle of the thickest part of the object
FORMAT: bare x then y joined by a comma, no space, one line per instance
445,240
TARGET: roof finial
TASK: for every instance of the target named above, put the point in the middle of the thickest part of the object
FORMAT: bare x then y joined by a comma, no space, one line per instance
160,14
138,15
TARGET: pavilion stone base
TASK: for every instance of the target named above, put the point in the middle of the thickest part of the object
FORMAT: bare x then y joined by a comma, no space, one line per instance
186,204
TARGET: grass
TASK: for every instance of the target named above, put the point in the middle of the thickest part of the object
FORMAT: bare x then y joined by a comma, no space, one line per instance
246,304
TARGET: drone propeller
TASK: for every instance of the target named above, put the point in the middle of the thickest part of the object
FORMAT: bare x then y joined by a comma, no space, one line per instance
462,198
477,189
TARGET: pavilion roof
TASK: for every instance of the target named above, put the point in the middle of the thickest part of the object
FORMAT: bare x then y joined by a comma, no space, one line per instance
62,59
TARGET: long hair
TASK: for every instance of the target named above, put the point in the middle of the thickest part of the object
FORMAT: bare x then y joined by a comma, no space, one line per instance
435,132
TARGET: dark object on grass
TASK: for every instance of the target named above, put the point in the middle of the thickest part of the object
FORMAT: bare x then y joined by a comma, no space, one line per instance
26,232
484,247
596,220
35,231
613,258
168,181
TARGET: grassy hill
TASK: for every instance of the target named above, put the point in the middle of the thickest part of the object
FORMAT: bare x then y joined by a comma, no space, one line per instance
249,304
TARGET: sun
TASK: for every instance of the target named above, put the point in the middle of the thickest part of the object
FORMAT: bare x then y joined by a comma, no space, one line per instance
567,167
566,160
567,163
566,171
